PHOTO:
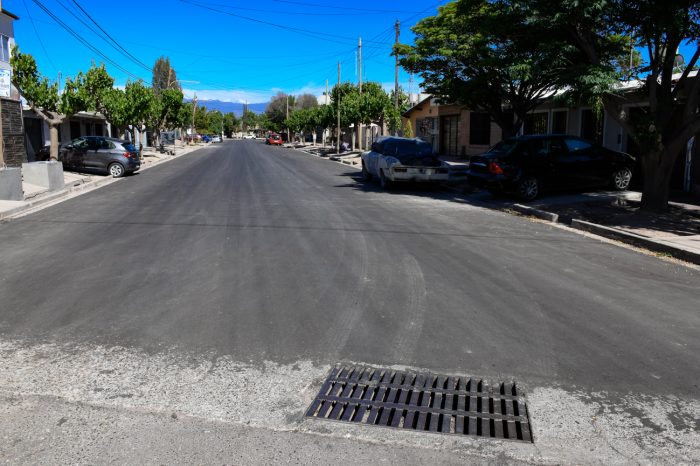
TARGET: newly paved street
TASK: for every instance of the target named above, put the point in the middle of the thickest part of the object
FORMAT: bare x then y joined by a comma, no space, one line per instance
223,284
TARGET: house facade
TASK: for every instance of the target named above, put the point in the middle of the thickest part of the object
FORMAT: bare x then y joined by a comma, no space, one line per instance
456,131
10,108
36,134
453,130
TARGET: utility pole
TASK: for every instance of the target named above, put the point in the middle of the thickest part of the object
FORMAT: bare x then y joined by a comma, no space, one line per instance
358,125
289,136
194,110
337,139
396,67
359,61
327,99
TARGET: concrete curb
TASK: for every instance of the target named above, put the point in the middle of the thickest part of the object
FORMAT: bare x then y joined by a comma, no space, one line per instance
544,215
636,240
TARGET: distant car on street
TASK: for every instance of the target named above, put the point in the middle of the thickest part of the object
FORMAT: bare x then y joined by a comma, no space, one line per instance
529,164
248,136
113,156
216,139
394,159
273,139
206,138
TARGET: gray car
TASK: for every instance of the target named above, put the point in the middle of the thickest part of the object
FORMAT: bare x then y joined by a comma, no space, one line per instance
113,156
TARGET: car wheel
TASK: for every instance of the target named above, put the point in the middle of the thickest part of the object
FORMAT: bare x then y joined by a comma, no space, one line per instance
528,188
385,183
116,170
621,178
366,175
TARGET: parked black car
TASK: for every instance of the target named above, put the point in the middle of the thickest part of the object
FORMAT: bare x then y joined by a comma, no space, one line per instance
527,165
96,153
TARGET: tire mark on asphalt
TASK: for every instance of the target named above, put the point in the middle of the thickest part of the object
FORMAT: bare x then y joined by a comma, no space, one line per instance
408,333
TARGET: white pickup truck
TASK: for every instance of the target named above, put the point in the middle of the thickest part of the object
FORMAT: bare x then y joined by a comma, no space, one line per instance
393,159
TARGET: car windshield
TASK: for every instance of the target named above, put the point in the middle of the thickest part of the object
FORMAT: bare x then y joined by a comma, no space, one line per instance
505,146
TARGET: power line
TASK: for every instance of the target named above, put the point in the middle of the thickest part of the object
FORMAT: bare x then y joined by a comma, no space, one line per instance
83,41
366,10
41,42
315,34
295,13
126,52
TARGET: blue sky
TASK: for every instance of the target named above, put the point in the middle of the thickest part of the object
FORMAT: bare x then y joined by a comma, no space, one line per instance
227,50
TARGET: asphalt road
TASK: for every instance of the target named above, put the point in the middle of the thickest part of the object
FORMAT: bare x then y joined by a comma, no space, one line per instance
270,258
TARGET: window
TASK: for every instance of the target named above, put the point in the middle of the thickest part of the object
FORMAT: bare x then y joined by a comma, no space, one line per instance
479,129
4,48
75,129
559,121
591,126
535,123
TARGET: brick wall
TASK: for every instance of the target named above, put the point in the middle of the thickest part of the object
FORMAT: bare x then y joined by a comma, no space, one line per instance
13,133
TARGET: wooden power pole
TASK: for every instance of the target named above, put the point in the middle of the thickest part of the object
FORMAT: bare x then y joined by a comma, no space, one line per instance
396,68
358,125
337,139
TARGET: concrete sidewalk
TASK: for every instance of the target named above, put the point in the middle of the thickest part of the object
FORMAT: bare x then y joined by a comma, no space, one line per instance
75,182
617,216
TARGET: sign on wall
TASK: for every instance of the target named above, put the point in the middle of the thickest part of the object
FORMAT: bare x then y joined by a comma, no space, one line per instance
5,83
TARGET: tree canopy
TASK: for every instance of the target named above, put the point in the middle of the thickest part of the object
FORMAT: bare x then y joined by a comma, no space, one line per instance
164,76
505,56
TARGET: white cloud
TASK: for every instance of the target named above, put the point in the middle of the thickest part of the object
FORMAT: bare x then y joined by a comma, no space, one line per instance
238,96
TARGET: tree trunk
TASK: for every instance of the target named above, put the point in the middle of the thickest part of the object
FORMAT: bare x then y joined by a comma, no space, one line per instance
658,167
53,135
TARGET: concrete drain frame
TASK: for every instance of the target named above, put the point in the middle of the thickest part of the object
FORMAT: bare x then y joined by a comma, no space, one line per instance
424,402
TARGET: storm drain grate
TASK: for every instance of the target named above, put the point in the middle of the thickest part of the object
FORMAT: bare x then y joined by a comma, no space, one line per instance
423,402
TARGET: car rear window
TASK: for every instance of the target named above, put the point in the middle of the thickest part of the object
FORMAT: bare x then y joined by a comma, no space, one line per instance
129,147
407,148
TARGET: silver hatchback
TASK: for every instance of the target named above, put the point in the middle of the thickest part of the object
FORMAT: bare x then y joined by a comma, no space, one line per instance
112,156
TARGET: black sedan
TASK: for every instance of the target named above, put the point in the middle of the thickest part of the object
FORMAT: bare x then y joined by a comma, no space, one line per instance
527,165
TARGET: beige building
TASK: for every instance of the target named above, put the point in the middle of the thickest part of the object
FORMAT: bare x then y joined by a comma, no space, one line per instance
453,130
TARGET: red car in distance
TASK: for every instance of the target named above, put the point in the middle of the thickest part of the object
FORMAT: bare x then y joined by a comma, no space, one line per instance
273,139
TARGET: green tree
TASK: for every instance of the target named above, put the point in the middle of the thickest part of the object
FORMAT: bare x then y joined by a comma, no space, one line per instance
164,76
305,101
249,120
392,114
215,122
231,124
489,56
43,97
140,105
277,109
201,119
165,107
598,30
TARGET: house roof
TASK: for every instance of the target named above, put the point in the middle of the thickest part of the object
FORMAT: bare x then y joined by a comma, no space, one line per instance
11,15
417,106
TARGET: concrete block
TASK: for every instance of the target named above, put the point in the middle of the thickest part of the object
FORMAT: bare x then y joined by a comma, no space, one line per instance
46,174
11,184
544,215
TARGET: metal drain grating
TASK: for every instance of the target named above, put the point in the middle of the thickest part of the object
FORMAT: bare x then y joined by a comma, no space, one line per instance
423,402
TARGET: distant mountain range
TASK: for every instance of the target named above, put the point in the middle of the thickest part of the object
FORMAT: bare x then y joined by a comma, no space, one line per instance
227,107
